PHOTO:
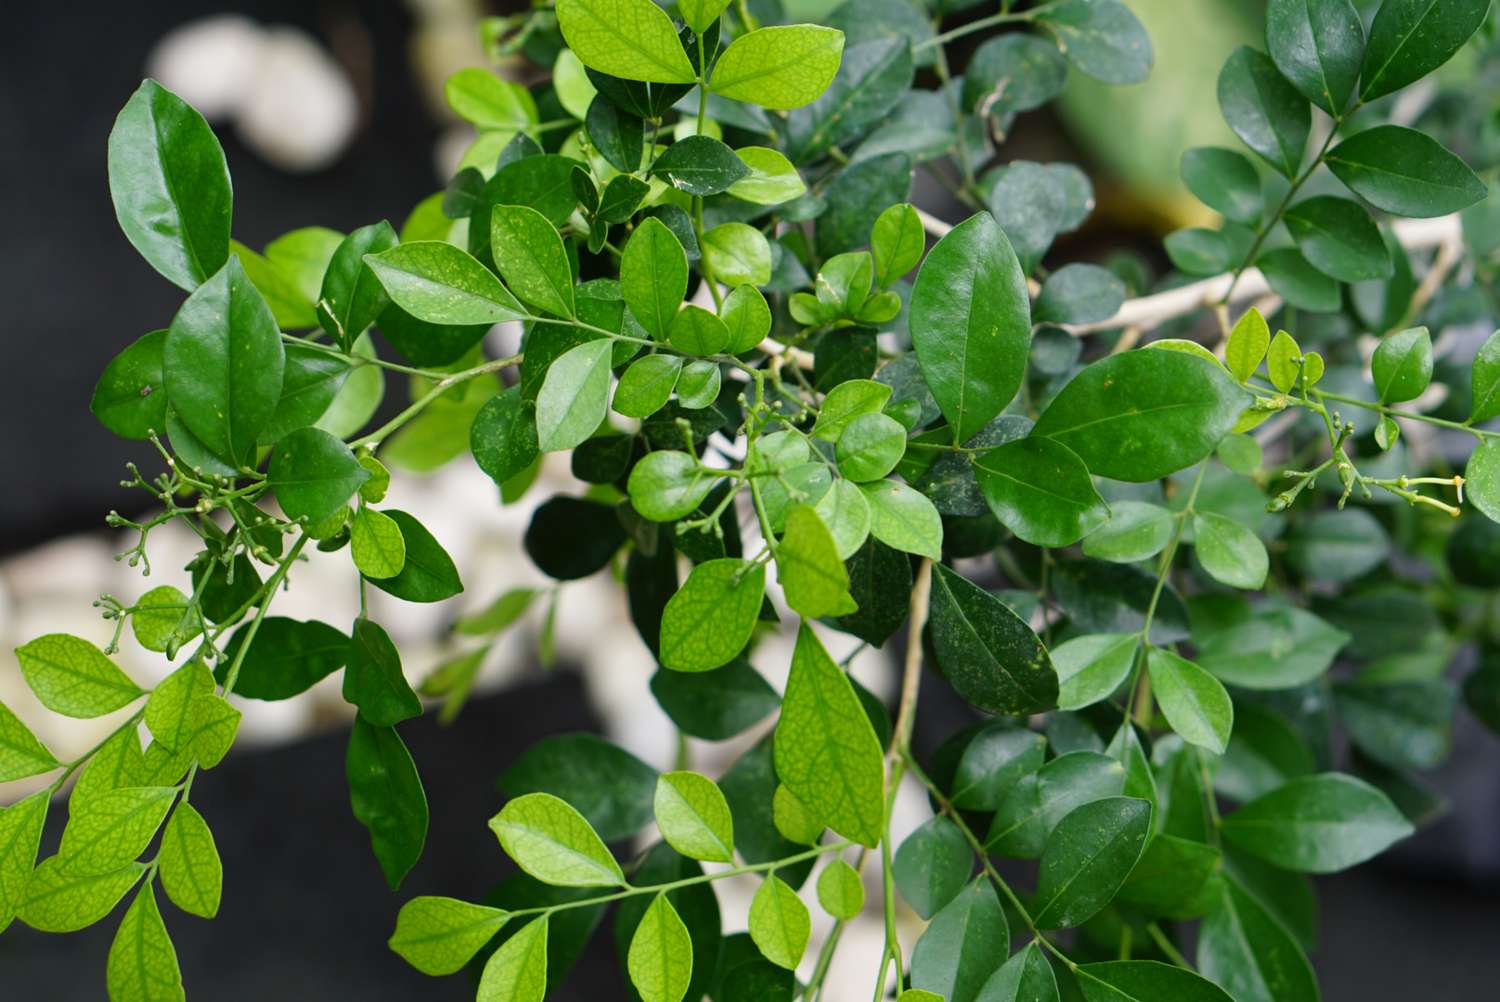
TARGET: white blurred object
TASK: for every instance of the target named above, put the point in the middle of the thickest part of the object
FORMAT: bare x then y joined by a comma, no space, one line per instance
292,103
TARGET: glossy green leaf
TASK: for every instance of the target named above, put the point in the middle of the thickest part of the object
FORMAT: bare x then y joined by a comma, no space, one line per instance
170,186
933,865
1090,668
632,39
386,796
1411,38
1264,109
1482,478
826,751
696,331
779,923
517,972
1088,856
1244,948
747,316
1318,46
286,658
1298,282
710,619
1025,977
1196,706
653,276
438,283
660,960
574,398
1484,381
1317,824
1141,415
699,384
1231,553
694,817
1339,238
610,787
1102,38
1033,807
963,945
314,474
352,296
714,705
1224,181
738,254
130,398
1402,366
987,652
373,679
222,364
1144,981
647,385
1405,171
73,677
1079,294
1134,531
439,936
531,258
700,165
970,320
1041,491
503,436
897,242
780,67
191,873
1274,648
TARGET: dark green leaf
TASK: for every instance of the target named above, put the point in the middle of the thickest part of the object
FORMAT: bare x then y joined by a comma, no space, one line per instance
1040,490
700,165
1088,856
856,198
130,398
987,652
1033,807
1224,181
872,77
963,945
1338,238
314,474
353,297
570,538
386,795
1245,949
1405,171
1402,366
1079,294
503,435
714,705
653,276
1102,38
1298,282
933,865
429,574
373,680
1318,46
1317,824
1145,981
610,787
286,658
1411,38
1264,110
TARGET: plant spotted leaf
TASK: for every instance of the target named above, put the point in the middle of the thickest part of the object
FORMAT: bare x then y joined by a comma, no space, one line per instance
503,436
130,398
779,923
710,619
987,652
552,842
1088,856
531,258
142,964
660,959
517,972
1193,701
694,817
191,873
904,519
826,751
438,283
574,398
1102,38
170,186
840,891
632,39
780,67
73,677
647,385
439,936
352,297
700,165
386,796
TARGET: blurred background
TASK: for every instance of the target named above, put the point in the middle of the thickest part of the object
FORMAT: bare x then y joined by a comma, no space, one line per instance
331,114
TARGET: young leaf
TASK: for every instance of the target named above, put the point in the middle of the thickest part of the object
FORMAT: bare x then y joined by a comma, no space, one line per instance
20,837
173,711
700,15
660,960
631,39
653,276
574,398
373,680
987,652
1040,491
1411,38
647,385
73,677
1317,824
840,891
438,283
439,936
781,67
1405,171
1318,46
667,485
222,364
846,513
1088,856
191,873
696,331
826,751
106,832
58,900
963,945
869,447
903,519
932,866
970,319
531,258
1264,110
21,754
1231,553
779,923
738,254
376,544
170,186
711,617
386,796
1141,415
1193,701
1091,667
1145,981
142,965
551,841
809,568
694,817
772,179
897,241
1247,345
517,972
1402,366
314,474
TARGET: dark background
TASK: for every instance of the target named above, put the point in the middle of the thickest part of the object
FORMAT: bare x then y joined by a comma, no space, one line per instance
306,913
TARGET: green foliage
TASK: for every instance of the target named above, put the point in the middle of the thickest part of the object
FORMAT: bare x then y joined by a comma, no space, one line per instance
730,315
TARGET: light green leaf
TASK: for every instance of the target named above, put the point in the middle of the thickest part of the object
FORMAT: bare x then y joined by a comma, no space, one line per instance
517,972
142,965
696,331
826,750
20,837
699,384
847,401
1088,856
632,39
779,923
61,901
667,485
846,513
970,320
1402,366
870,446
439,936
1231,553
653,276
489,102
711,617
551,841
1282,361
21,754
809,568
700,15
660,958
793,819
1090,668
988,654
772,179
73,677
1041,491
897,241
1317,824
191,873
1193,701
108,831
748,318
172,712
903,519
1484,381
781,67
530,255
170,186
840,891
738,254
647,385
1247,345
1135,530
574,398
376,543
439,283
694,817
